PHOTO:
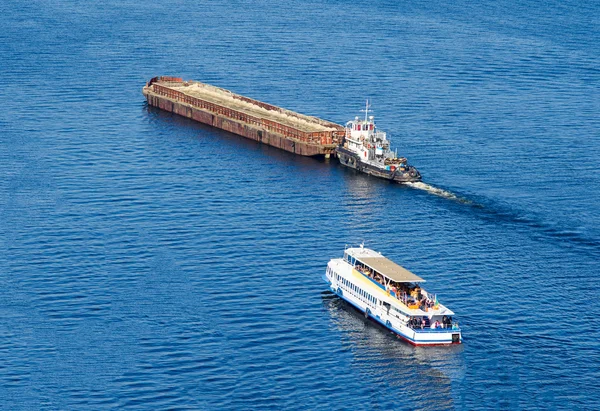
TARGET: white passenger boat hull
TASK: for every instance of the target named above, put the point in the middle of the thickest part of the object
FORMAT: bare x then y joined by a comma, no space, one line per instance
367,297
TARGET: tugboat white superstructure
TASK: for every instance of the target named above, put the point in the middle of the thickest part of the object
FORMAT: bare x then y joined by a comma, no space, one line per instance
392,296
368,150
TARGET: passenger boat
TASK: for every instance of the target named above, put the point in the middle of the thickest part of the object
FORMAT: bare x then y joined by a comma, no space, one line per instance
366,149
392,296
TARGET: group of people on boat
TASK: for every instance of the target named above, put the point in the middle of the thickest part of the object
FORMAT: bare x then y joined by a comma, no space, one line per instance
410,294
423,323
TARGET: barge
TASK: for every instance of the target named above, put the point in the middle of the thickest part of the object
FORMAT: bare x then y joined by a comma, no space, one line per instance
392,296
223,109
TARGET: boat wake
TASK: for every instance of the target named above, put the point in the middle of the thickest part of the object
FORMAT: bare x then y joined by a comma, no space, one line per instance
499,211
438,192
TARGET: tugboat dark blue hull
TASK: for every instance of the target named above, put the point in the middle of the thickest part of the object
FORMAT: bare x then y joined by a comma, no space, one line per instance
349,159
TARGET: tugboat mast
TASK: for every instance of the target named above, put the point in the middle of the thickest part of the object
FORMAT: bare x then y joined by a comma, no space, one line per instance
366,110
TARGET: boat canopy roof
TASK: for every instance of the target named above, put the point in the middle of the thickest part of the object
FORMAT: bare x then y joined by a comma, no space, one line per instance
384,266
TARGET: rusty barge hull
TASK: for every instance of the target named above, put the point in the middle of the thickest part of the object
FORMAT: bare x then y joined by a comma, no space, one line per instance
253,119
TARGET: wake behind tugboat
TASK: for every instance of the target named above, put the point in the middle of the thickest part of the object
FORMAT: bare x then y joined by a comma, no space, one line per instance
437,191
367,150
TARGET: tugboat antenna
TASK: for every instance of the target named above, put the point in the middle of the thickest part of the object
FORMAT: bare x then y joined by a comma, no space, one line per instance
366,110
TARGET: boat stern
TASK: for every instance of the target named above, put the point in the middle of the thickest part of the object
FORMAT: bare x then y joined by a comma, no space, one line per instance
411,175
437,337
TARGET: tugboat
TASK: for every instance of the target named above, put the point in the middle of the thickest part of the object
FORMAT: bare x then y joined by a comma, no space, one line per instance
368,150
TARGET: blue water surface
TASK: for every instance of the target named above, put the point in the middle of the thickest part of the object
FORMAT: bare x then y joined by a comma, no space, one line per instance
150,262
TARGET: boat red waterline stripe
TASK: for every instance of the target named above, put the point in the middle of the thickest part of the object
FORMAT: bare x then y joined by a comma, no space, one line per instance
394,330
398,333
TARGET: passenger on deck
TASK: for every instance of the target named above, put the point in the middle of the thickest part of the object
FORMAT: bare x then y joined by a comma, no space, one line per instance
437,324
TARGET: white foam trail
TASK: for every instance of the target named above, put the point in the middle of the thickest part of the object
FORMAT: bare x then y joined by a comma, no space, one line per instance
437,191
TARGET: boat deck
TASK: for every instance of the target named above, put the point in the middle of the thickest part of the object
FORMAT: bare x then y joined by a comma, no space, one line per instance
251,107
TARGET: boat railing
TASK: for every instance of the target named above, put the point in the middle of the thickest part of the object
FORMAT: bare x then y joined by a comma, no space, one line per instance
390,292
436,330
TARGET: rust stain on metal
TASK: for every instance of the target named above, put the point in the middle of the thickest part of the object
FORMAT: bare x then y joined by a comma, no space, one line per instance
278,127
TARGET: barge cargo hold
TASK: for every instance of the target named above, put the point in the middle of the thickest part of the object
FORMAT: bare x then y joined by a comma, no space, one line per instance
220,108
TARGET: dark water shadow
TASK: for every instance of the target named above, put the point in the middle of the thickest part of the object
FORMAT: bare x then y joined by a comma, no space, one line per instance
423,375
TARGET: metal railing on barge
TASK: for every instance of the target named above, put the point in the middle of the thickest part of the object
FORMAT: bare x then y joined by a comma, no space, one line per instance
316,137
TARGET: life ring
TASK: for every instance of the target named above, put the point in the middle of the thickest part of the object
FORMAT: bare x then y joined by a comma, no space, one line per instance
412,173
